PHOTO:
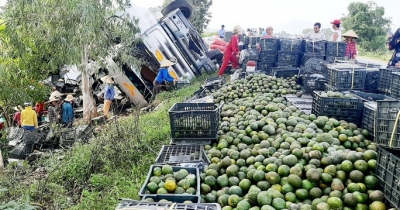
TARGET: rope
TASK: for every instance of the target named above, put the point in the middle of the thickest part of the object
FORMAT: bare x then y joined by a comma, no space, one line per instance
375,114
337,49
313,46
352,79
394,128
172,206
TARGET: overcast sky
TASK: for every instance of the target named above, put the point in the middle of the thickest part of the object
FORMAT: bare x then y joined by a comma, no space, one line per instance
262,13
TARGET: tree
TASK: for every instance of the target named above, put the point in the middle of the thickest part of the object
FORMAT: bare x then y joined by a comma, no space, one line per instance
70,32
201,15
367,20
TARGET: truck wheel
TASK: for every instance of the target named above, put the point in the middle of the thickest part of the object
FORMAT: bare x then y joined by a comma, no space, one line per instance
215,55
183,5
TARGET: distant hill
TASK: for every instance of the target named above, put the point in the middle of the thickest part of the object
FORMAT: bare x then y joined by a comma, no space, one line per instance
294,26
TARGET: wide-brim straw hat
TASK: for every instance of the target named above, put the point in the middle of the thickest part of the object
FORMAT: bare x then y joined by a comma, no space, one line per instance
166,63
237,29
350,33
69,98
107,79
52,99
16,109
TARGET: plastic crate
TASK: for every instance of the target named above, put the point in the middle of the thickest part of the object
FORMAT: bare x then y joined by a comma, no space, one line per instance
388,173
265,67
268,56
386,115
284,72
370,96
173,198
182,83
214,83
346,77
194,121
334,59
254,40
368,117
228,35
311,82
305,106
250,54
290,45
269,44
335,49
371,80
174,154
288,59
315,47
140,205
385,79
143,191
348,109
395,85
304,57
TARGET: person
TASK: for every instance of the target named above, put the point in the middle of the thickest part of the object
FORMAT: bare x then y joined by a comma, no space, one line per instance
260,31
68,112
264,32
317,34
394,44
337,34
163,78
52,110
39,108
55,93
109,95
17,116
269,33
351,48
249,32
231,52
221,32
29,119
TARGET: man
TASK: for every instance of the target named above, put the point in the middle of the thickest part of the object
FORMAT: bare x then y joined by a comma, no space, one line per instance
337,34
221,32
109,95
68,112
317,34
163,78
17,116
394,44
55,93
29,119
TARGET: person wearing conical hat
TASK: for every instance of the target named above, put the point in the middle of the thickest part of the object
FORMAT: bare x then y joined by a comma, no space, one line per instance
52,110
163,78
68,112
109,95
231,52
351,48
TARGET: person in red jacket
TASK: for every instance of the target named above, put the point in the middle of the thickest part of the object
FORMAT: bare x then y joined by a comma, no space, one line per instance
231,52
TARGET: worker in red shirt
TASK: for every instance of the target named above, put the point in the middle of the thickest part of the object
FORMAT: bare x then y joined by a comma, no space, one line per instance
39,108
231,52
351,48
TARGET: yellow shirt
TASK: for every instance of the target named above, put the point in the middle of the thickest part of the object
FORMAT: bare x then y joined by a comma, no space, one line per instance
28,117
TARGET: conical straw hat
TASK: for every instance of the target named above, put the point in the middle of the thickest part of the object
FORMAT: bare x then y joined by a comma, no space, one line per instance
350,33
166,63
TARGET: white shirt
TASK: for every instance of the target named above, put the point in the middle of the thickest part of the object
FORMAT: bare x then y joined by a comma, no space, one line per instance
339,35
315,36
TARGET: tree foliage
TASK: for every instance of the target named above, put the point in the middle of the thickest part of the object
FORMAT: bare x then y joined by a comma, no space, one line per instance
201,15
46,35
367,20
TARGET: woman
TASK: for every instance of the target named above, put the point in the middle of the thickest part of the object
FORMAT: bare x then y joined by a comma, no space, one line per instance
17,116
351,48
163,77
336,31
109,94
269,33
231,53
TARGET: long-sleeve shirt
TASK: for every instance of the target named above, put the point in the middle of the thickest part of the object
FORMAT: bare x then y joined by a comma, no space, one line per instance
39,108
52,113
221,33
17,118
109,94
29,117
164,75
351,50
67,113
233,47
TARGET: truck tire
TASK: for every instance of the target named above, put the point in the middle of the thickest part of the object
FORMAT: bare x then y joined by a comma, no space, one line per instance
215,55
183,5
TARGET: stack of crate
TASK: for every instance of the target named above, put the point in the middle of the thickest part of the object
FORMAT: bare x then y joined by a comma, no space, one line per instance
288,54
387,129
250,54
335,51
346,76
268,54
312,49
385,79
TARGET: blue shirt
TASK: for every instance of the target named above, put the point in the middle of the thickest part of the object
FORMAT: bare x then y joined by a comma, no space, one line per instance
263,33
221,33
164,75
110,93
67,113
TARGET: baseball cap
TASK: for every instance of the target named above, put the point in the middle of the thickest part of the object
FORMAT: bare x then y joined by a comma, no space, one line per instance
335,22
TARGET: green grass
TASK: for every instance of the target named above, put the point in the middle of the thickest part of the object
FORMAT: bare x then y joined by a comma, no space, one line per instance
95,175
207,34
384,55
